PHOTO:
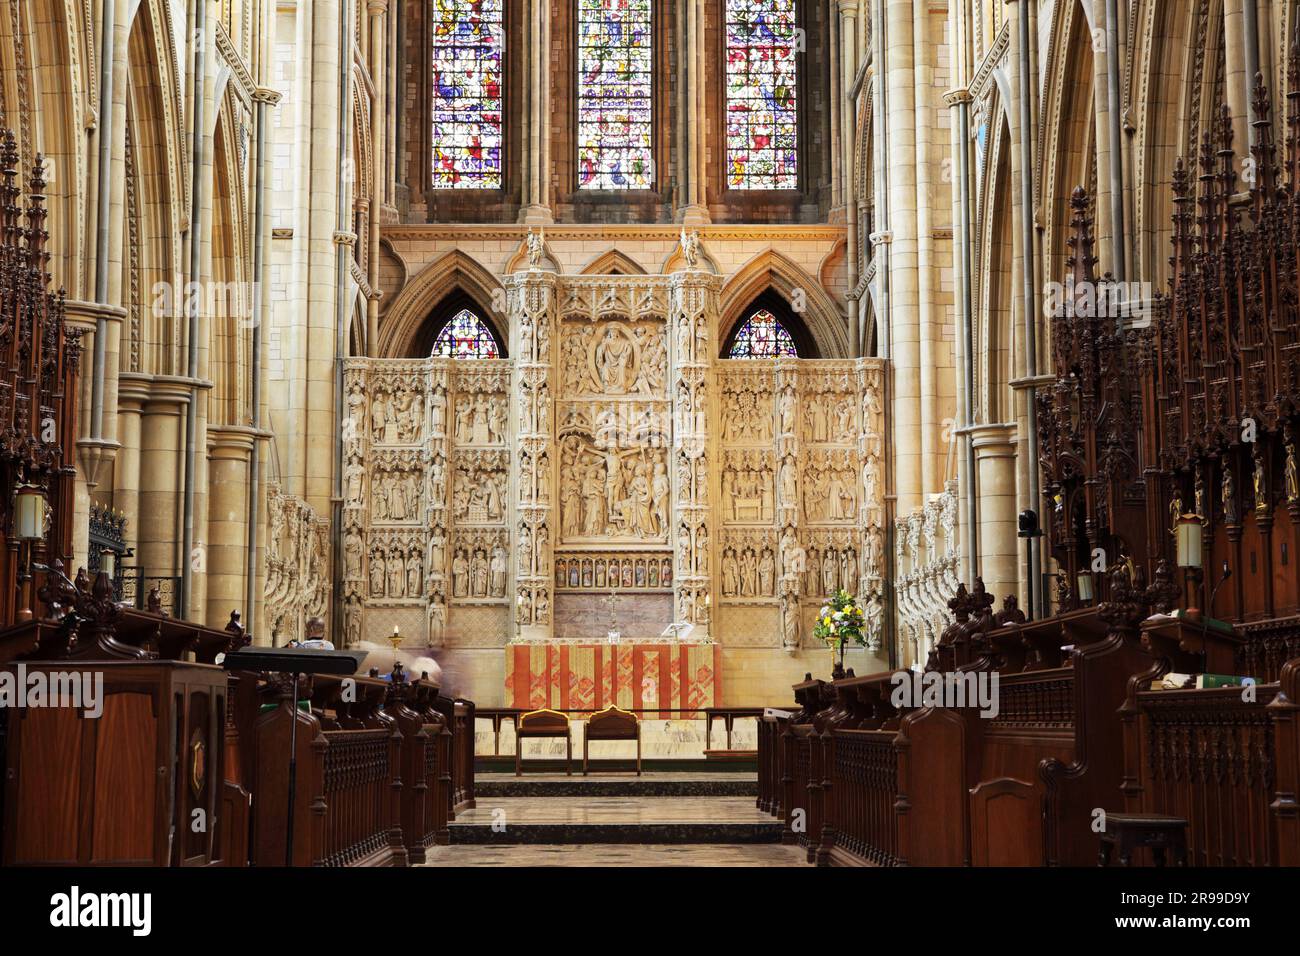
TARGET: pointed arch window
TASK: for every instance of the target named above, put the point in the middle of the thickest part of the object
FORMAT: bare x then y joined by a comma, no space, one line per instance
762,336
615,73
466,336
467,37
763,39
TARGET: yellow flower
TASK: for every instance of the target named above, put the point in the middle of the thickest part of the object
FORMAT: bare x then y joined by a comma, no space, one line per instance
826,620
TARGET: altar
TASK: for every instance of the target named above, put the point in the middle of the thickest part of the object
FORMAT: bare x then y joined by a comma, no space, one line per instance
681,678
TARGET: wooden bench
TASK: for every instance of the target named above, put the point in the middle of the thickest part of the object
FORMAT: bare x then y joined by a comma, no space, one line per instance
543,723
611,723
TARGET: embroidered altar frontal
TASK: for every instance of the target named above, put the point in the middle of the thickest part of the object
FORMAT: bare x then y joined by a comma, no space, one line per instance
632,676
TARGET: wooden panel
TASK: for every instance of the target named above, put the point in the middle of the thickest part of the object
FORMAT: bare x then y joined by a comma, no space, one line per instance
1006,823
47,802
125,781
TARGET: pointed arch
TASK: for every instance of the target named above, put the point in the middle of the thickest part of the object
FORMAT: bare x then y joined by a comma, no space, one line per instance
612,262
770,270
229,308
406,324
157,198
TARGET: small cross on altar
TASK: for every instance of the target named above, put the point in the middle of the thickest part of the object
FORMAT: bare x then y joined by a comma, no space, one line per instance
611,602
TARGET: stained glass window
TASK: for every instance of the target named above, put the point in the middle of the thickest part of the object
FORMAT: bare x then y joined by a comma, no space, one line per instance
762,39
614,75
762,337
467,42
466,336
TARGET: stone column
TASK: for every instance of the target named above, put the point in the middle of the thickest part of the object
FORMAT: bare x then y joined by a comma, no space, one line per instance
1000,561
848,114
692,318
690,101
378,10
161,458
536,118
533,318
133,393
870,585
230,450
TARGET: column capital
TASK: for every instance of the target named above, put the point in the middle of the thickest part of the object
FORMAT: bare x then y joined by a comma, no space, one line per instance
958,97
264,94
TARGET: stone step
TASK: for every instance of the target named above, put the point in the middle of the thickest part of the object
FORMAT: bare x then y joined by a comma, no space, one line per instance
607,785
614,820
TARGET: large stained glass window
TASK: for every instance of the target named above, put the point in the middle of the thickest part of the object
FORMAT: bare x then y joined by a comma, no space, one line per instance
467,42
762,119
465,336
762,337
615,62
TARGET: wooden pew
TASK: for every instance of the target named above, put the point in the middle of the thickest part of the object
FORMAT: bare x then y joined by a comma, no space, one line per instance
1222,759
157,791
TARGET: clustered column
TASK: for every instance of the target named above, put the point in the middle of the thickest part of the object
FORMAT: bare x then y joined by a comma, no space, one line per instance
532,323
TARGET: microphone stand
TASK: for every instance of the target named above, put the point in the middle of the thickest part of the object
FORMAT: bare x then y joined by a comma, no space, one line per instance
1205,627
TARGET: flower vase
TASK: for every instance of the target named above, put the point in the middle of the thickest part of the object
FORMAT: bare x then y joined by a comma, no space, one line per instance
837,660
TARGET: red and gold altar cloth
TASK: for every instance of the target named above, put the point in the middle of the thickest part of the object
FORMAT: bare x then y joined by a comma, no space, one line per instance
568,676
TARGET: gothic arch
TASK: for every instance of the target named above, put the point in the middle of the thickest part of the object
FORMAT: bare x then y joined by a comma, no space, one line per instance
1068,151
157,200
401,327
771,270
996,307
228,307
612,262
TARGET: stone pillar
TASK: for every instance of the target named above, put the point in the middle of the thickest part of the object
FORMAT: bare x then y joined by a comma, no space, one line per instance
536,208
1000,560
378,10
230,450
870,585
533,320
692,319
691,146
133,393
848,11
161,459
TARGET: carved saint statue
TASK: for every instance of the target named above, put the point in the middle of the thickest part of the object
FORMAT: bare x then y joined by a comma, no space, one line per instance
1292,475
460,574
352,555
535,249
376,574
1228,495
498,569
690,242
355,478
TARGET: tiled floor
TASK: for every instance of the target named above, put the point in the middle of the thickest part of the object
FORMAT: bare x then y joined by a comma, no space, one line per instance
618,855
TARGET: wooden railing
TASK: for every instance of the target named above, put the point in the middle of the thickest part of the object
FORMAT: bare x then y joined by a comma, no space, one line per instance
1209,756
865,797
357,815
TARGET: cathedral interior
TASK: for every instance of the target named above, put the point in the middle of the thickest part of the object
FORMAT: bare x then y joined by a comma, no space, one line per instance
568,355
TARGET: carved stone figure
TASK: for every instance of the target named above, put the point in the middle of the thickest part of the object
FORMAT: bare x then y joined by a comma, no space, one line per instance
690,243
376,573
460,574
536,247
615,358
498,569
767,573
479,573
414,574
354,479
352,549
786,410
730,574
790,621
396,576
1292,474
